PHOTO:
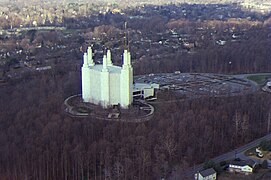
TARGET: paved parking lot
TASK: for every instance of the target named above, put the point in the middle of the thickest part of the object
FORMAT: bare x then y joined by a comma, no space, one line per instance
200,84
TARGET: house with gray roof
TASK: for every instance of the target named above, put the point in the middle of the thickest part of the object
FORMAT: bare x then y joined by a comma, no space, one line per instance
207,174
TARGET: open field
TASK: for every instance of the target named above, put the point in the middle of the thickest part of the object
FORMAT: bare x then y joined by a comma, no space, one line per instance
259,79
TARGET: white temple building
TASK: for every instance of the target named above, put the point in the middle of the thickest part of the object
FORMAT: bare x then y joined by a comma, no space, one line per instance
106,84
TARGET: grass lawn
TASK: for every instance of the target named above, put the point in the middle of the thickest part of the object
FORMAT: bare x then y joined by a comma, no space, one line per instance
260,174
83,110
70,31
259,79
251,152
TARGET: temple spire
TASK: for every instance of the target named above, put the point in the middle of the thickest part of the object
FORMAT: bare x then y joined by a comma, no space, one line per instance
126,58
105,63
109,59
90,57
85,60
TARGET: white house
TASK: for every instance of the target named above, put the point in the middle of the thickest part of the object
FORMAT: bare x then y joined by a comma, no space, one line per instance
207,174
246,167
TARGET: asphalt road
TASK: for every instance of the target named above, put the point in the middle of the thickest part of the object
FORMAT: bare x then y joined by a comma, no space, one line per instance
189,174
236,153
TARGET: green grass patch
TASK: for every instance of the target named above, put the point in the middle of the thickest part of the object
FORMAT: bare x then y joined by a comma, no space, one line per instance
70,31
259,79
251,152
83,110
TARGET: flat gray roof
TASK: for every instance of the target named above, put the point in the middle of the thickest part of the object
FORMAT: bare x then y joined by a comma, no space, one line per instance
207,172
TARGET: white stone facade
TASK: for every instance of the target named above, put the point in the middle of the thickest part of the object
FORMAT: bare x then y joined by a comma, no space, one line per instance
107,84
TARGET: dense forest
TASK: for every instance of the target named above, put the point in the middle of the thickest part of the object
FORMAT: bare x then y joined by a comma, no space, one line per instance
39,141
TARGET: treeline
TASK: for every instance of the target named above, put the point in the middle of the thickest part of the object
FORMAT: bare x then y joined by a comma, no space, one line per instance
39,141
249,54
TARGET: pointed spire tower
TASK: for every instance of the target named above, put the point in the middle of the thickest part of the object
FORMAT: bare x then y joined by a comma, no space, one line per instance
105,68
90,57
109,59
85,79
85,60
126,82
105,84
